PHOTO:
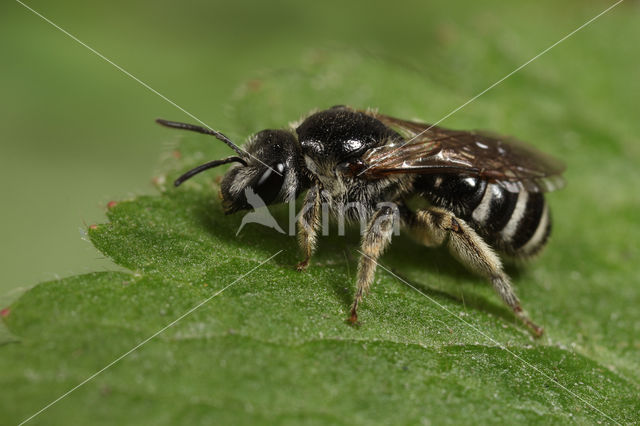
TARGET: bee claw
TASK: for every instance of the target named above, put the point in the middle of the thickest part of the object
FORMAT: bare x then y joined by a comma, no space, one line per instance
302,266
536,329
353,318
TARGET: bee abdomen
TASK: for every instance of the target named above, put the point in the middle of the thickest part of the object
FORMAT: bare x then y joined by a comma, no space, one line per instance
516,223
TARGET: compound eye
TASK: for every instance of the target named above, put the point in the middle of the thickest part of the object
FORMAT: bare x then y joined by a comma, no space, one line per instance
269,185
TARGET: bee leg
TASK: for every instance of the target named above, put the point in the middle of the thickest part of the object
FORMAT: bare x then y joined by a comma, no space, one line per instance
375,240
308,223
474,253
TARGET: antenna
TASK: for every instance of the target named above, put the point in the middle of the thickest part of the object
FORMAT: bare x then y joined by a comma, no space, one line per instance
206,166
199,129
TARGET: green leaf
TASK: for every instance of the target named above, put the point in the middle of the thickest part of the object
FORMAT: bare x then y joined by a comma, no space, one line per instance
274,348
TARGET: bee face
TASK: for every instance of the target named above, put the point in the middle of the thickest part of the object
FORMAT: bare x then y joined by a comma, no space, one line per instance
272,172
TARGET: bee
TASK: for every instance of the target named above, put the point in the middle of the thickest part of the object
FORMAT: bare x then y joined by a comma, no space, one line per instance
482,193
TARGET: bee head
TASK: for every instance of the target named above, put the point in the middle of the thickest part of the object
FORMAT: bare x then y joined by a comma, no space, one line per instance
270,170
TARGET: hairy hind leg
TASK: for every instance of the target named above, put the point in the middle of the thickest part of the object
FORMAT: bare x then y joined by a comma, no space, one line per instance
474,253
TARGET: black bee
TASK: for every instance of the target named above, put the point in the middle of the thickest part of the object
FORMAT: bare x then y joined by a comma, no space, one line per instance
483,192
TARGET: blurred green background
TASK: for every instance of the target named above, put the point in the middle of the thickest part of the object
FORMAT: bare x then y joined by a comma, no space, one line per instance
76,132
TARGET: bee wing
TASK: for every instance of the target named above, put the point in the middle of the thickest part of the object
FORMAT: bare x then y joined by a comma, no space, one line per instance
431,149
